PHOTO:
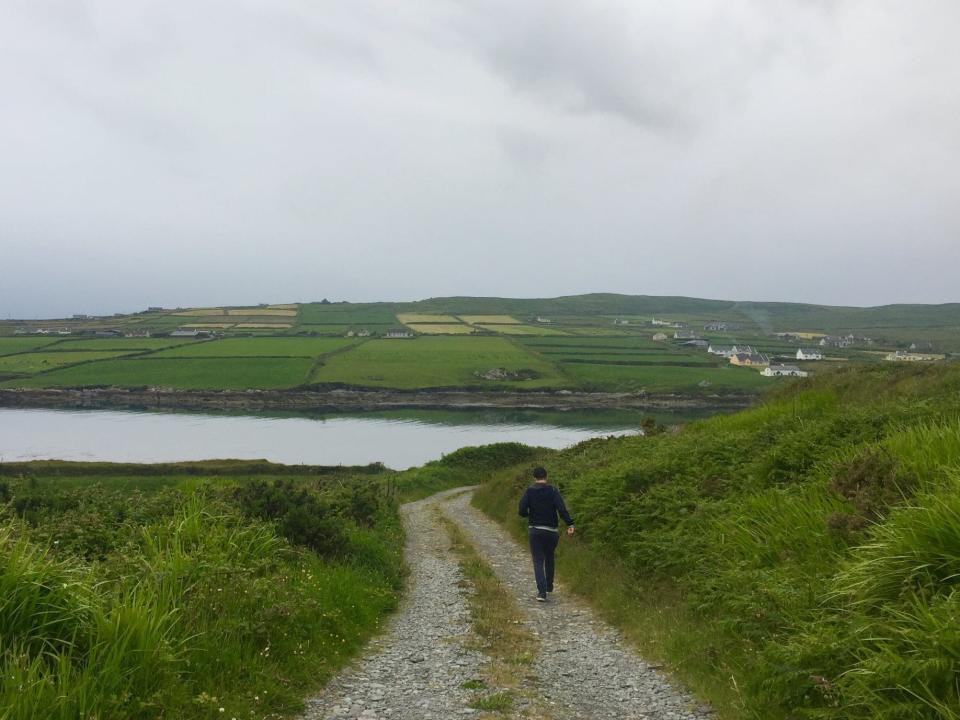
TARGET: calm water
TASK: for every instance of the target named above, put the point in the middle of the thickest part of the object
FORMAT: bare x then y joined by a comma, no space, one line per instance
399,440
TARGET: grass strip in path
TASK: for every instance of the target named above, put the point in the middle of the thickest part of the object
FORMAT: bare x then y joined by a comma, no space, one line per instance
502,633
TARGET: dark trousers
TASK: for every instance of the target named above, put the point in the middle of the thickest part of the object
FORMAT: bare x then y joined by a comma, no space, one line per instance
543,543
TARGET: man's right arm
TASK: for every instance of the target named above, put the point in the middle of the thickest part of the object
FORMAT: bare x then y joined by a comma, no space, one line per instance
562,509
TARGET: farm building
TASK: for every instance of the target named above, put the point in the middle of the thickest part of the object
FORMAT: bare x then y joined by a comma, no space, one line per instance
721,350
543,320
783,371
659,337
363,333
720,326
685,335
742,350
845,341
908,356
806,354
189,332
398,334
750,360
696,344
921,346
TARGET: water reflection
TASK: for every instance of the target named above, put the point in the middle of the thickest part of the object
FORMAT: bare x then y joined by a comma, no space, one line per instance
398,439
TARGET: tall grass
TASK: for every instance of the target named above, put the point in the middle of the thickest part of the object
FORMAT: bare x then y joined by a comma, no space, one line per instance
800,559
197,608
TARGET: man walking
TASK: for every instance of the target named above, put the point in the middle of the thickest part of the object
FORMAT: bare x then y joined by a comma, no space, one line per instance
540,504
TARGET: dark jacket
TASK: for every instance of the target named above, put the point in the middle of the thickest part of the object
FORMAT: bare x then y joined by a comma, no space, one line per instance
540,504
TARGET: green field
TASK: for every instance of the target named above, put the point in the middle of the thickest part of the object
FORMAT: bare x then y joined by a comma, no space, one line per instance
120,344
10,345
347,314
41,361
663,378
259,347
428,362
580,347
596,343
186,373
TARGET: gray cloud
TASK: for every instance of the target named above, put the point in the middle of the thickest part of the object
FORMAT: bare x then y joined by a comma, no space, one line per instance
214,151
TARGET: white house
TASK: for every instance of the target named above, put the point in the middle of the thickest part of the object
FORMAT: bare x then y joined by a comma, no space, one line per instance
398,334
659,337
806,354
783,371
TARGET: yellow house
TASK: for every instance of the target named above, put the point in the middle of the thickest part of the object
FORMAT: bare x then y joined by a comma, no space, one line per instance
750,360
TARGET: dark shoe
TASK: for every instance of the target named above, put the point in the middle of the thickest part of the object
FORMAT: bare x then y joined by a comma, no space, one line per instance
541,597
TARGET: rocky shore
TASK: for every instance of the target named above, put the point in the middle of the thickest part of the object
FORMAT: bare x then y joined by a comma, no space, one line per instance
353,399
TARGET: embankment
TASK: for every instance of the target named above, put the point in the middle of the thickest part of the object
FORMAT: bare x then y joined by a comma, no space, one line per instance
798,559
356,400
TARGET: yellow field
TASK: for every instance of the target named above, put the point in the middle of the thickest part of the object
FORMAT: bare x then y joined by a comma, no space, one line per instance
263,326
200,312
522,330
407,318
289,306
489,320
254,312
201,326
441,328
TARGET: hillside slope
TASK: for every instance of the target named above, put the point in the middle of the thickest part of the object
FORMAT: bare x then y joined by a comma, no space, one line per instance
800,559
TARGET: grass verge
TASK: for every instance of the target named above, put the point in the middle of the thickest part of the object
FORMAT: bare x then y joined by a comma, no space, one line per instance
501,632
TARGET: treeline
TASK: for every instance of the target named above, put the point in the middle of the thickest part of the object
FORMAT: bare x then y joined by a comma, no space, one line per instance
796,560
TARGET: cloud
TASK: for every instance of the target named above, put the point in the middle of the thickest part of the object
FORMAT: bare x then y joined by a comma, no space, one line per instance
231,151
663,67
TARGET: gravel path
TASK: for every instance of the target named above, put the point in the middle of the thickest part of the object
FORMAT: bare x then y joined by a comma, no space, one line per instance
414,671
584,669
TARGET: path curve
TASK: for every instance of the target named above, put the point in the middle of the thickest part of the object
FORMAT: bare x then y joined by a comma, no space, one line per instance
415,670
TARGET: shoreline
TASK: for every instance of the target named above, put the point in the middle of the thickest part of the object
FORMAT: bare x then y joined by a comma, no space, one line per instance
343,399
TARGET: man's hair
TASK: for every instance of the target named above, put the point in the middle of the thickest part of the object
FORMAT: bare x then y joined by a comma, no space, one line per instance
539,473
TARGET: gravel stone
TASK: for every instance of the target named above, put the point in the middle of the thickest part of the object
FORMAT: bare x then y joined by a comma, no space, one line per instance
584,669
414,671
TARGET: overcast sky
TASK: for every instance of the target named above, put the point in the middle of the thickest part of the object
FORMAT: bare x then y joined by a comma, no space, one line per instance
193,152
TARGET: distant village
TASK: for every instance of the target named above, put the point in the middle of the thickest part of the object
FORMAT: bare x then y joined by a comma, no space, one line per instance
812,346
815,345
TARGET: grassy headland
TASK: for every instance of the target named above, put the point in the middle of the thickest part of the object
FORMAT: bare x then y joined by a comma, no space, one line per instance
796,560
